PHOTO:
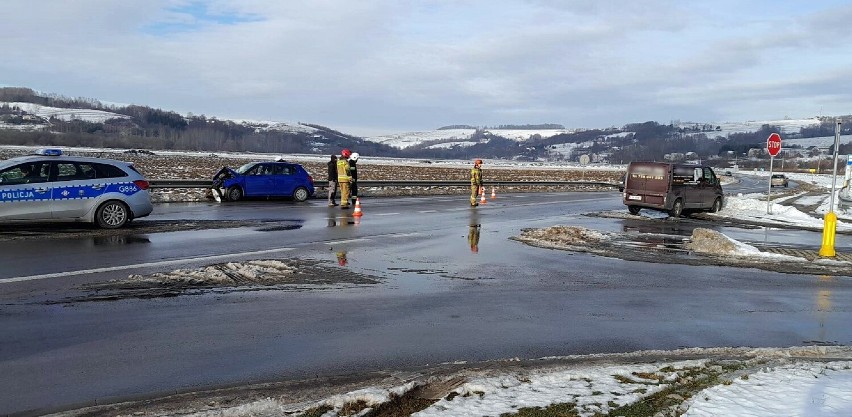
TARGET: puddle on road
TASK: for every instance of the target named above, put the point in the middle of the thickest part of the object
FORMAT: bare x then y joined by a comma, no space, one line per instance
674,247
278,228
137,227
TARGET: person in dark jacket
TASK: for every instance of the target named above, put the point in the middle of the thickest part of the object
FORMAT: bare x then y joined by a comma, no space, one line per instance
332,180
353,173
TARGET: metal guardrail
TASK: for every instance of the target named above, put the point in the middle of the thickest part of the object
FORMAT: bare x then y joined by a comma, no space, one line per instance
180,183
176,183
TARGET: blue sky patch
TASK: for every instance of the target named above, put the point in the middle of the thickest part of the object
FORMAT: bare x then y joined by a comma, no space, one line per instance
194,16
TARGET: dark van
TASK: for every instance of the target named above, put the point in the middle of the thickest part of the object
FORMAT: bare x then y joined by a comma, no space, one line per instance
673,188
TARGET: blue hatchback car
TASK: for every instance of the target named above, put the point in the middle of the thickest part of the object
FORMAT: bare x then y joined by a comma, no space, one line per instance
264,179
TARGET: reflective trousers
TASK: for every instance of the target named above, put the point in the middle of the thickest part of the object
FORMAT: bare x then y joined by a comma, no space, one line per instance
344,194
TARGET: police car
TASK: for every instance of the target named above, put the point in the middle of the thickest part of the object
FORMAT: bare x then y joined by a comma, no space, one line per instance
48,186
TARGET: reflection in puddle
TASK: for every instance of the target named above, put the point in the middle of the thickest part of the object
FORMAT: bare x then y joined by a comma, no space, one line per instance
473,230
473,238
341,258
119,240
347,220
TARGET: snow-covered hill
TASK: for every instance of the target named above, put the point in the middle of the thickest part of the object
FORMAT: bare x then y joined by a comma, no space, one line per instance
46,112
99,116
446,138
726,128
438,139
263,126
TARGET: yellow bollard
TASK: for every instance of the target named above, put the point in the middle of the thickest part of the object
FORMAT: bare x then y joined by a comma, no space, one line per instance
828,231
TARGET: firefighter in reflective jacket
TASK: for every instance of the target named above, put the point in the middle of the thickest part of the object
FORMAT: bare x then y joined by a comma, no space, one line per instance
343,177
475,182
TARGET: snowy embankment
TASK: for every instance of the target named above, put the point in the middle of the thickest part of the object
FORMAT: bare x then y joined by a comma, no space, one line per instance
696,382
754,207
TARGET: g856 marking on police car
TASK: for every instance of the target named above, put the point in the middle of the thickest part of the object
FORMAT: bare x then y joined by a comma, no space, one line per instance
128,189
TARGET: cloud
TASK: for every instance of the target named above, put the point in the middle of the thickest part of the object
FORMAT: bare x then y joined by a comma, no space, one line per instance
420,64
195,15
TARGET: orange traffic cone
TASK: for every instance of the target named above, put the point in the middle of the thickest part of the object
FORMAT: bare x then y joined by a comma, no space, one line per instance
357,212
482,199
493,192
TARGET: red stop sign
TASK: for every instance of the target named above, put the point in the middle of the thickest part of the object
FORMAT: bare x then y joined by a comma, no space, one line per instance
773,144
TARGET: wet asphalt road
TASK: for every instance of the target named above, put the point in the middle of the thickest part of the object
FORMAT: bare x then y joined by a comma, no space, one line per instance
438,301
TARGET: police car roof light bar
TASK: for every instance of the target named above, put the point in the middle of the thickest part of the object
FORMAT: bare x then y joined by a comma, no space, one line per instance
48,152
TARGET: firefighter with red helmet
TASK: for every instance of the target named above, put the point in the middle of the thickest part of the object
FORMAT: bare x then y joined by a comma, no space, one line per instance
475,182
343,177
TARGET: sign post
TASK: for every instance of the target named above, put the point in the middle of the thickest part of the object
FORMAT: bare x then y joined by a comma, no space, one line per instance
773,146
584,160
829,228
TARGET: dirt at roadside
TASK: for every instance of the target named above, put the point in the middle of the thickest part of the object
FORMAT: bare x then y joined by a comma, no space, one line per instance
704,247
252,275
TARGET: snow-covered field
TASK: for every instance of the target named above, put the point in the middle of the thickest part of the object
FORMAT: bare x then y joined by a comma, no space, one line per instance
824,142
727,128
95,116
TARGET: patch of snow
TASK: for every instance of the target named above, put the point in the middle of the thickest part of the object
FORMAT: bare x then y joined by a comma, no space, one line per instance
448,145
594,390
754,208
408,139
800,389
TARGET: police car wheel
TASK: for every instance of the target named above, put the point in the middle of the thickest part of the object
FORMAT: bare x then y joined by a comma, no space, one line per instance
235,193
301,194
112,215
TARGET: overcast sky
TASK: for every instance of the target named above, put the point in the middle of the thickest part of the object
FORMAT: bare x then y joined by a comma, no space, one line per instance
368,66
